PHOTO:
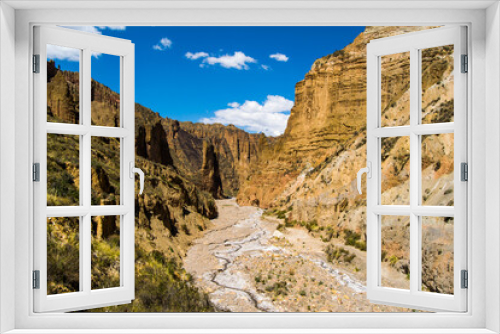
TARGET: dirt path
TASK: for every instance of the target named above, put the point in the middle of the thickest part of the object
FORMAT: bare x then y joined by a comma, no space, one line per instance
245,265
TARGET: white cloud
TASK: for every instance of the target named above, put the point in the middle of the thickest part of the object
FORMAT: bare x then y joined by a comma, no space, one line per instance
279,57
196,55
265,67
164,44
238,60
92,29
269,117
64,53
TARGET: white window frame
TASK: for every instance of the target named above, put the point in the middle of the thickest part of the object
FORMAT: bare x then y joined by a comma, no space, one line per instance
87,43
484,26
413,43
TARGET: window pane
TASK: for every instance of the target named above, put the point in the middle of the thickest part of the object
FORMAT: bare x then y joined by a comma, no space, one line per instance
63,84
437,254
105,171
63,255
105,252
63,170
105,90
437,85
437,169
395,178
395,89
395,251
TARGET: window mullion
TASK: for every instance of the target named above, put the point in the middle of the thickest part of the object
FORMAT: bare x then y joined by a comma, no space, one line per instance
415,248
86,171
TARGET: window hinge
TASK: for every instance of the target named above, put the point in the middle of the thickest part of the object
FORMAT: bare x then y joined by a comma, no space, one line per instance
464,171
465,279
36,63
36,172
465,64
36,279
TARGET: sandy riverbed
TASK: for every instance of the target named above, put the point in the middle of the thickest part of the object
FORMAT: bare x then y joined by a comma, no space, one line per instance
245,266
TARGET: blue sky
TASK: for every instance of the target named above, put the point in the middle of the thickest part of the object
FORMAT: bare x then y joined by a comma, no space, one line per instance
240,75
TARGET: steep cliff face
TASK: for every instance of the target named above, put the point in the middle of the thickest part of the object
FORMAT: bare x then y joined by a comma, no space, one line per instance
235,149
151,143
62,95
211,181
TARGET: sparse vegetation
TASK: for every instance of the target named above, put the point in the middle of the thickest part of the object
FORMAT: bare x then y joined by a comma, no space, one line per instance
354,239
338,254
393,260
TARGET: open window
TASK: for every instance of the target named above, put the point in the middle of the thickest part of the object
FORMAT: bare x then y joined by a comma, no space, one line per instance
71,214
416,143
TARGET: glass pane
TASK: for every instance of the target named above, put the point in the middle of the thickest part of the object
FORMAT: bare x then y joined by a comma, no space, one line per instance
395,252
63,84
63,255
105,171
437,254
395,89
105,252
395,178
63,170
105,90
437,85
437,169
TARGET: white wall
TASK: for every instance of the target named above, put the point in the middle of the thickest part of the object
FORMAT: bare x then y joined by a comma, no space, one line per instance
492,166
7,163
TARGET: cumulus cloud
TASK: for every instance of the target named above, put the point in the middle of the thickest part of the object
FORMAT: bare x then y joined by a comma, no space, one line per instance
270,117
163,44
279,57
64,53
196,55
238,60
265,67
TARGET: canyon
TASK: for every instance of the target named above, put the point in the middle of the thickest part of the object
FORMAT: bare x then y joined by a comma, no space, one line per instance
301,185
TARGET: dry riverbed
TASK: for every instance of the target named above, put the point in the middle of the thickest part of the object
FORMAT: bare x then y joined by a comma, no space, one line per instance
245,265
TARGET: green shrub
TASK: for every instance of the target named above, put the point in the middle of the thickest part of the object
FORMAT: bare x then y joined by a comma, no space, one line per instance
338,254
393,260
280,214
